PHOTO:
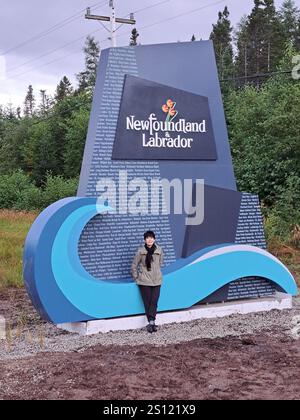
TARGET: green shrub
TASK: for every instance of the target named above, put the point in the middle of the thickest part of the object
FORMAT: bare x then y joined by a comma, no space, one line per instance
30,199
283,219
18,192
56,188
13,188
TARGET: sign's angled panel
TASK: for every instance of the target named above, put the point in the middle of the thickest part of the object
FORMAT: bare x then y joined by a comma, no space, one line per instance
159,122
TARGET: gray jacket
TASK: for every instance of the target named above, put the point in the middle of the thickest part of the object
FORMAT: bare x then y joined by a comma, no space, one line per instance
145,277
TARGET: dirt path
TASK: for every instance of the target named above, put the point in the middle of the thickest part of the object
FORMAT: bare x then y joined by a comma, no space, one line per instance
228,368
263,364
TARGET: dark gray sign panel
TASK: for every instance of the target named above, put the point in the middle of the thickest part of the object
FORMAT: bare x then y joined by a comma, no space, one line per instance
158,122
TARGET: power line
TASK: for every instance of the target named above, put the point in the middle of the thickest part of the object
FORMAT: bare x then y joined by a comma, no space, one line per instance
112,19
52,61
125,33
146,8
54,28
52,51
76,40
175,17
70,43
151,6
125,21
183,14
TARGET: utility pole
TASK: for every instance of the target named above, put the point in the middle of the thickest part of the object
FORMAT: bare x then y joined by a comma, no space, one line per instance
113,21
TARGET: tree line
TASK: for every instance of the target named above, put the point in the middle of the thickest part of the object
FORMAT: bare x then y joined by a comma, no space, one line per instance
257,46
42,145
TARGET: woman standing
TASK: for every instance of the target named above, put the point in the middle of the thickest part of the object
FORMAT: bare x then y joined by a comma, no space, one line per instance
150,258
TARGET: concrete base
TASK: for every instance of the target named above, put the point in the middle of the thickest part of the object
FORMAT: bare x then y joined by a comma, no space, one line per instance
280,302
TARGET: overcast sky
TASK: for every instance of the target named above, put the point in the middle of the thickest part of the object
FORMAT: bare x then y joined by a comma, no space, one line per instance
44,60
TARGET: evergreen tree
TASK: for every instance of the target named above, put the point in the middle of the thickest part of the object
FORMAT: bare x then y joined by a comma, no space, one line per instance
41,151
289,15
10,112
87,78
134,37
241,59
29,102
46,103
19,113
75,141
222,39
264,133
260,40
12,145
63,89
297,37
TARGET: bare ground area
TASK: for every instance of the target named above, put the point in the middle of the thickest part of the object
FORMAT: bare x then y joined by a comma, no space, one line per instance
239,357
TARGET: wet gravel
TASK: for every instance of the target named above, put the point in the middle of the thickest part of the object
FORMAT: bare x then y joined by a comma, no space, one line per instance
27,335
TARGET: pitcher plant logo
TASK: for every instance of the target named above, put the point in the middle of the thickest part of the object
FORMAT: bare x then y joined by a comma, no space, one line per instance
169,109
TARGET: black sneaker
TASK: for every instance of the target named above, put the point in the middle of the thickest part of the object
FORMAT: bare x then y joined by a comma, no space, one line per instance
150,328
154,327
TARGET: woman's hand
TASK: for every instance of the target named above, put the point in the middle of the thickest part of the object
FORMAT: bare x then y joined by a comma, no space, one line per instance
134,266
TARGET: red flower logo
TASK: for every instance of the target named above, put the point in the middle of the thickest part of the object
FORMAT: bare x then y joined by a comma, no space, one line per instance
169,108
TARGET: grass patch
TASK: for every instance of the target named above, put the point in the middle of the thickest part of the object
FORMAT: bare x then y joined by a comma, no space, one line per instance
14,227
289,255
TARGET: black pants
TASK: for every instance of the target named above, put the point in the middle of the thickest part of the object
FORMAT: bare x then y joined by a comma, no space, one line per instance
150,295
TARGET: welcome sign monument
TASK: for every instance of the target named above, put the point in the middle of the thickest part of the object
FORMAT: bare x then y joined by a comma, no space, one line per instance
157,157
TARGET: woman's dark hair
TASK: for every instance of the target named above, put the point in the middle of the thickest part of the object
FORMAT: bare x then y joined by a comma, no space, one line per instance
149,234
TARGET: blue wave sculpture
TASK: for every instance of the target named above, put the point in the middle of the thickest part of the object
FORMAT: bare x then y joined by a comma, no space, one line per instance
63,291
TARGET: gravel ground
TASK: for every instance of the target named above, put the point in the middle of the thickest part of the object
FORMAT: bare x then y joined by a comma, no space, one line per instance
261,367
27,335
